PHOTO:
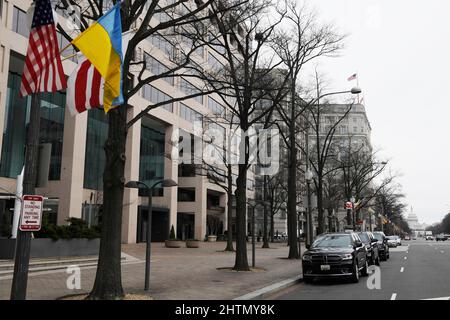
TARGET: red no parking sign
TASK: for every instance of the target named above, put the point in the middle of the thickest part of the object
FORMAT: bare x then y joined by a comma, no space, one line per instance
30,219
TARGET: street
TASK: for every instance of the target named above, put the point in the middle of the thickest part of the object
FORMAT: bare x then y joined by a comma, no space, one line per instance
416,270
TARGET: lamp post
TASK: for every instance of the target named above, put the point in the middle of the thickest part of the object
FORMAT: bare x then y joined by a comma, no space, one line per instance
137,185
253,205
354,90
309,226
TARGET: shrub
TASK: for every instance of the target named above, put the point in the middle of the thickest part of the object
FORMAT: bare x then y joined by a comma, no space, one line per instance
172,234
77,228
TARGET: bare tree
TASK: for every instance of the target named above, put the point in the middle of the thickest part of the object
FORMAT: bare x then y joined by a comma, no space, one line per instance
242,35
304,41
137,16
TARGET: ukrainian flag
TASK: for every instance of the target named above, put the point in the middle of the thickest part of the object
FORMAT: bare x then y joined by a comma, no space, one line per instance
101,44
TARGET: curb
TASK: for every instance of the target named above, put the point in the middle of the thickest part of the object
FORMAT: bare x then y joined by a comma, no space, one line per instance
266,291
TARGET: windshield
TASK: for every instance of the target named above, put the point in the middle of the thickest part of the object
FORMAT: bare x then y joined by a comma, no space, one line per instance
364,237
378,236
338,241
391,238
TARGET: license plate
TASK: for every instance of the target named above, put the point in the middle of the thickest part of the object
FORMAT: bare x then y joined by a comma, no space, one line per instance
325,267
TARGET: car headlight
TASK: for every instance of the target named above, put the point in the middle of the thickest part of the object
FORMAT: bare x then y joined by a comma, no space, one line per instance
347,256
306,257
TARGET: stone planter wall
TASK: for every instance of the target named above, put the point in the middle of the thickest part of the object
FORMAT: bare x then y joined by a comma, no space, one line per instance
48,248
174,243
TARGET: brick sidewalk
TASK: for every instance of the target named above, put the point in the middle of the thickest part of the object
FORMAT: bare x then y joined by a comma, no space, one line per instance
182,273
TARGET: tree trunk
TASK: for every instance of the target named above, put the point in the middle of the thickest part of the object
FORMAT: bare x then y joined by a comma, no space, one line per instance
292,186
229,211
265,230
241,261
320,216
108,280
272,226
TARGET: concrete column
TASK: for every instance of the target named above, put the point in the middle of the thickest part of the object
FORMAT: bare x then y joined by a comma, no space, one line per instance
171,172
4,67
72,166
131,196
200,214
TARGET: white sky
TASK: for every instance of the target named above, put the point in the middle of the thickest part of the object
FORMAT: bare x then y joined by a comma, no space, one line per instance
401,51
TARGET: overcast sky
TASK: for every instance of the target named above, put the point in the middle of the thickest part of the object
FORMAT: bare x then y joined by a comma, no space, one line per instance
401,51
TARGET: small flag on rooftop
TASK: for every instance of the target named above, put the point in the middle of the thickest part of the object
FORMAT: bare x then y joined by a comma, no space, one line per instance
353,77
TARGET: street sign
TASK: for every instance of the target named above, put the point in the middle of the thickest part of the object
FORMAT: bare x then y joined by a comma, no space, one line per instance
348,205
30,218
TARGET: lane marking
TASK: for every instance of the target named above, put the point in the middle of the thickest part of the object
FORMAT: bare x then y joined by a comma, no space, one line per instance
394,296
406,258
402,269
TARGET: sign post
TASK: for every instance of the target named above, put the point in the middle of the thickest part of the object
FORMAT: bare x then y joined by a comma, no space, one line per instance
31,215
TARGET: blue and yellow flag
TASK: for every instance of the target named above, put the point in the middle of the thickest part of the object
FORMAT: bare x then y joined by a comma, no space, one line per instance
101,44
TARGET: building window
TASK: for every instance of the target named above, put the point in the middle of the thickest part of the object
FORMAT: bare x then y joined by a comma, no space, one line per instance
189,114
189,89
154,95
157,68
69,51
151,161
162,44
17,118
216,107
214,62
250,185
20,22
95,158
186,194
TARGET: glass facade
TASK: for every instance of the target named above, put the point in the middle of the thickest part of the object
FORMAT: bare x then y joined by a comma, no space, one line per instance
20,22
190,89
157,68
16,123
151,162
154,95
94,163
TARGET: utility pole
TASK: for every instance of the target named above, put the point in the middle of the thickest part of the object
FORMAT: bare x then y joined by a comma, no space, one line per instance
23,242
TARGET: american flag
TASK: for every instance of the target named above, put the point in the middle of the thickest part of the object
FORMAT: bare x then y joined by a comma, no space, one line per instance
84,88
352,77
43,71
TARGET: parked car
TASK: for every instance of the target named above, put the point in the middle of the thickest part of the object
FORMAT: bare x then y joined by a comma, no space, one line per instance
407,238
441,237
429,238
383,247
371,244
392,241
335,255
399,240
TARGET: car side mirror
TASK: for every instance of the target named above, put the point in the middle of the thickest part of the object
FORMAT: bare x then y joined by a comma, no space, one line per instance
358,244
374,240
307,246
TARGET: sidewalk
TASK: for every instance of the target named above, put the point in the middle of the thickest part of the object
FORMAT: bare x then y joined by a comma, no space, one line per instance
182,273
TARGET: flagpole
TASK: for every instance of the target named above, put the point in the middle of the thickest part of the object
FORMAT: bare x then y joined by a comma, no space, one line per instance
23,241
357,83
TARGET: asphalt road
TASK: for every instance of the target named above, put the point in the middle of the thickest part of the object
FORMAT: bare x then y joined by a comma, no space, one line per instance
416,270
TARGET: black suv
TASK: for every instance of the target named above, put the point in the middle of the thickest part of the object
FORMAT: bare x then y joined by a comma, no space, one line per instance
383,247
335,255
372,247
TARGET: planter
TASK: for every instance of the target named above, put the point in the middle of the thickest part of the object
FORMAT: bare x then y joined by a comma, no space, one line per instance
192,244
212,238
174,243
48,248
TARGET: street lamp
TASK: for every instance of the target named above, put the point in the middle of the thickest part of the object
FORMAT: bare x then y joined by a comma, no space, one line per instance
309,177
138,185
253,205
354,90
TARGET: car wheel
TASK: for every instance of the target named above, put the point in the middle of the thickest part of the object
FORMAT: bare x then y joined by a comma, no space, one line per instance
307,279
365,270
377,261
355,275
